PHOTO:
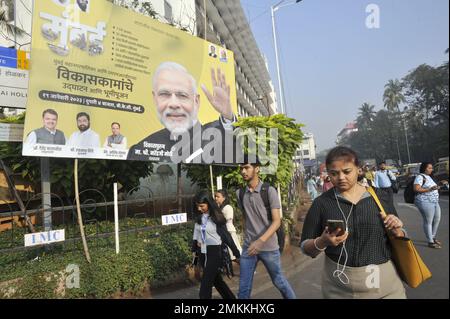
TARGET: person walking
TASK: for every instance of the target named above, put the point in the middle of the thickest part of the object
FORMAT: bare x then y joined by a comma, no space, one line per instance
383,180
213,233
223,201
360,240
427,201
260,238
311,187
369,174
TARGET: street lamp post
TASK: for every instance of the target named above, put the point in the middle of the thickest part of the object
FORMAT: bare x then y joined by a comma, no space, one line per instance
407,144
280,86
406,136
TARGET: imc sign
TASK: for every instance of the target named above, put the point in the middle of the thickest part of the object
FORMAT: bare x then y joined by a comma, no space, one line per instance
174,219
43,238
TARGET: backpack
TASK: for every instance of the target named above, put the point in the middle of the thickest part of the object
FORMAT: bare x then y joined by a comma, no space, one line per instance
409,195
264,193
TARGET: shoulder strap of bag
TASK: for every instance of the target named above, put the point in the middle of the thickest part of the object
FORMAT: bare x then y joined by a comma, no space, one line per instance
265,198
241,200
424,179
377,200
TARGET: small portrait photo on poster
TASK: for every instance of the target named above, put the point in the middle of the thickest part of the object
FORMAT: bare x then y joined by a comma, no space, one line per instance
212,51
223,55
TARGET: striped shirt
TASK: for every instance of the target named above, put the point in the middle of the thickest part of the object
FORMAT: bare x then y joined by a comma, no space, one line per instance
367,242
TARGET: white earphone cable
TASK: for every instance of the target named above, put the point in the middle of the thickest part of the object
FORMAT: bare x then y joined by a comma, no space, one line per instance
339,273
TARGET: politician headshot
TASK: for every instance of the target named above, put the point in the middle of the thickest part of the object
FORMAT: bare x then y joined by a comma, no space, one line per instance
85,136
177,106
116,140
47,134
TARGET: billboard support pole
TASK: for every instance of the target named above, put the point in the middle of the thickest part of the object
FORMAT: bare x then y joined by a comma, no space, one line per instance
80,218
116,219
212,179
46,193
179,188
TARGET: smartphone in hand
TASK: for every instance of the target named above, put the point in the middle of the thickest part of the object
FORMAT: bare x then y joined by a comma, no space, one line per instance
334,224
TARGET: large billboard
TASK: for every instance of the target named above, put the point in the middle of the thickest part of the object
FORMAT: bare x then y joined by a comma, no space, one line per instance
109,83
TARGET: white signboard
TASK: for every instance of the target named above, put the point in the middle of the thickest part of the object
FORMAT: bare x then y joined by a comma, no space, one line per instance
43,238
174,219
11,132
13,87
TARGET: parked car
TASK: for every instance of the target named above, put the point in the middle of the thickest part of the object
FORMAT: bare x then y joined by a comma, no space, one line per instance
408,172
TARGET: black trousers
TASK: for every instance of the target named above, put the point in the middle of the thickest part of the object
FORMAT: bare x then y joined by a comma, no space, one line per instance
212,275
389,194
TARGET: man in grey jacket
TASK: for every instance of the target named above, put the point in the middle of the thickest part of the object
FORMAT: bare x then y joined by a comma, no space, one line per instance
48,134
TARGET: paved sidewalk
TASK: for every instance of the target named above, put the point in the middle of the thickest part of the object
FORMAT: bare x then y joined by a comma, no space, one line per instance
293,262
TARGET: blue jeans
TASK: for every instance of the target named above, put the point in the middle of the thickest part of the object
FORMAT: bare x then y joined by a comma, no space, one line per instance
272,262
431,213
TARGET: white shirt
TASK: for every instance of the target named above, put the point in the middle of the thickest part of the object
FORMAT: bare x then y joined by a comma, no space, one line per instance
87,138
228,213
430,197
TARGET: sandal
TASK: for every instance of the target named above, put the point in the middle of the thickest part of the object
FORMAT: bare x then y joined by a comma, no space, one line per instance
437,242
434,245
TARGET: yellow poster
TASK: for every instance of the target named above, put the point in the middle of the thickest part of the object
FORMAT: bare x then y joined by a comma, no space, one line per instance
109,83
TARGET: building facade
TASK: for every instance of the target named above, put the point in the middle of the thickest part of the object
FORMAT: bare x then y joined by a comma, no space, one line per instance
346,131
224,22
306,150
179,13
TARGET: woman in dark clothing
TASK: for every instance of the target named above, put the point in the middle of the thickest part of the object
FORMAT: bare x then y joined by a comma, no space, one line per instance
211,232
358,257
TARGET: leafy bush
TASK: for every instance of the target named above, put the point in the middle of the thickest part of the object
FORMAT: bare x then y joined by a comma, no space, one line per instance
145,259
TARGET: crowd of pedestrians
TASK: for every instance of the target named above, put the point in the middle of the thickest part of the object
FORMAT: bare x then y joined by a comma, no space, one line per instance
343,222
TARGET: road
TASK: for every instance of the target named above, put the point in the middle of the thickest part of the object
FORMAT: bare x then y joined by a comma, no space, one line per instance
304,273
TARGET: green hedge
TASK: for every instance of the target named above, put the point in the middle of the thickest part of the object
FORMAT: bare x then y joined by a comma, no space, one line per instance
145,259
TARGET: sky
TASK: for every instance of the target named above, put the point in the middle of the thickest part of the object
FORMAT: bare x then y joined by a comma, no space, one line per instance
331,63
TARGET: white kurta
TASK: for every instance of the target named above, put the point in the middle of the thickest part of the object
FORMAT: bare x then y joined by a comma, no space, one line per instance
87,138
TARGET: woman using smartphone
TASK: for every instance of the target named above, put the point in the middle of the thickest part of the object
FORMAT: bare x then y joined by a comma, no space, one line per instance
353,256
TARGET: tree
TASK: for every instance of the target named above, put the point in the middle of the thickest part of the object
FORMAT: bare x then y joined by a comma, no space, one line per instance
393,96
377,142
366,116
427,96
392,99
289,137
425,93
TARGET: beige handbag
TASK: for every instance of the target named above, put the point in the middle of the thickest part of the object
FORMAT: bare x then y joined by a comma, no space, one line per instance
410,267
